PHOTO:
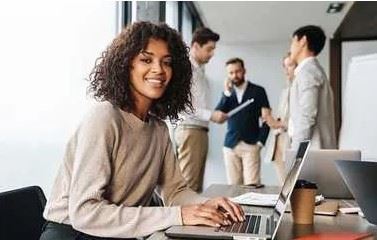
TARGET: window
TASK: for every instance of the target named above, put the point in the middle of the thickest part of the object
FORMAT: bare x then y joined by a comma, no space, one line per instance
188,20
171,17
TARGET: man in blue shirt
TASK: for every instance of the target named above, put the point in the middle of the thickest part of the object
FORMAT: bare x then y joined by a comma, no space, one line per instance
246,133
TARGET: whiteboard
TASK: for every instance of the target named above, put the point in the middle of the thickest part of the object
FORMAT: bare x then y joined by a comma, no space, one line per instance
359,123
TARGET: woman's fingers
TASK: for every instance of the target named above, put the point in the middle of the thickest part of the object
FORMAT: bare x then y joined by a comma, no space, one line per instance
234,210
214,214
203,214
237,209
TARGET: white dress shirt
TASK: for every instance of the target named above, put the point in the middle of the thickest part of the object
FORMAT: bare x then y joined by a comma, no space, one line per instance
240,90
200,98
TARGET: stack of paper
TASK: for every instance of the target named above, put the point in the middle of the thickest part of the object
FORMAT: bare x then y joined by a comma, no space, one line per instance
257,199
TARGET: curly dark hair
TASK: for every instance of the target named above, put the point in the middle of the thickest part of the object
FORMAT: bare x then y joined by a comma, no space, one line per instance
110,78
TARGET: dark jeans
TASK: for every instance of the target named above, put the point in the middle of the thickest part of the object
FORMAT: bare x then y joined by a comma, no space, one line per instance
58,231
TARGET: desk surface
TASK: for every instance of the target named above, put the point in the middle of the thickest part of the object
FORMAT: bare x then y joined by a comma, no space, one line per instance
288,230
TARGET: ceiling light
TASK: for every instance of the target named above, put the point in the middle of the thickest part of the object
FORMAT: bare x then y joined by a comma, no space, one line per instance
335,7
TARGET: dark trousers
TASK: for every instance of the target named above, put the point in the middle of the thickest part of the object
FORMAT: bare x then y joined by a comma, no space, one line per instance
58,231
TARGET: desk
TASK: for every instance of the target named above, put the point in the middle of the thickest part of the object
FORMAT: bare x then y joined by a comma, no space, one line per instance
287,230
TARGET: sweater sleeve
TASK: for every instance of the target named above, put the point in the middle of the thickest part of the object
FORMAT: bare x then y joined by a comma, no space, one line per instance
174,189
89,211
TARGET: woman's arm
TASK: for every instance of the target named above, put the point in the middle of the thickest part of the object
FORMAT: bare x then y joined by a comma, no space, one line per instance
89,211
195,208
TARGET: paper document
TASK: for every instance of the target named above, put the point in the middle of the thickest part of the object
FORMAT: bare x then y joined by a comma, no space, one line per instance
257,199
349,210
240,107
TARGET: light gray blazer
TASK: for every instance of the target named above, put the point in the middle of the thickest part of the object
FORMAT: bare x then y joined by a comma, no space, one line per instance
311,106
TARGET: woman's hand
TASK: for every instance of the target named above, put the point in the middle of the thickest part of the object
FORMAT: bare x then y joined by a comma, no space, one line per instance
271,121
230,208
215,212
202,214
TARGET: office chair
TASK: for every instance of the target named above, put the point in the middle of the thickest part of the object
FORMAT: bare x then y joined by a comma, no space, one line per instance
21,213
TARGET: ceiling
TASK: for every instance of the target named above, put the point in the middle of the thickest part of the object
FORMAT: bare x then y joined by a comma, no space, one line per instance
256,22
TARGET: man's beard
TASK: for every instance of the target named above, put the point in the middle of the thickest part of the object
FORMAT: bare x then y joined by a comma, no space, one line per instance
205,61
238,81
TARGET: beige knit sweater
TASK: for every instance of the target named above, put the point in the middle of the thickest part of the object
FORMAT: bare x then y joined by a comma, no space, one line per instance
112,165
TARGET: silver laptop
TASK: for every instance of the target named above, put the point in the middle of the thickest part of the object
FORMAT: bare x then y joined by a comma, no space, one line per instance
361,178
320,168
256,226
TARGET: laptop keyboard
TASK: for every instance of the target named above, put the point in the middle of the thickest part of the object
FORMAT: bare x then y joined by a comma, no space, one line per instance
250,225
268,226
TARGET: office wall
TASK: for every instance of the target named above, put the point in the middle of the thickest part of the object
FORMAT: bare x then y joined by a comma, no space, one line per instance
350,50
359,63
47,50
263,66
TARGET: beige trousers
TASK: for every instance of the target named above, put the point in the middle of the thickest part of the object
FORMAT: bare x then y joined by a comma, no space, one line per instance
192,148
279,156
242,164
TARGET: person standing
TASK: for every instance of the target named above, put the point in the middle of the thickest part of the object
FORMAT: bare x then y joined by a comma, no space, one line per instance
278,140
311,98
191,134
245,135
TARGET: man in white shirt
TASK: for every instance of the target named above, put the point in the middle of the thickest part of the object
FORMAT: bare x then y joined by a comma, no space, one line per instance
311,100
191,135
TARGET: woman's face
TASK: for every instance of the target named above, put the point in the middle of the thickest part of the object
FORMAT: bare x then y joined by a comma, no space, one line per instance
289,67
151,71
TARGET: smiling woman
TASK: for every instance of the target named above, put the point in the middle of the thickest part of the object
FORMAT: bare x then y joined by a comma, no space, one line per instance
150,75
121,151
110,79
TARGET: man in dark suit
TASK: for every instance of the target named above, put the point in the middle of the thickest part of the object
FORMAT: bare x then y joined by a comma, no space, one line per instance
245,135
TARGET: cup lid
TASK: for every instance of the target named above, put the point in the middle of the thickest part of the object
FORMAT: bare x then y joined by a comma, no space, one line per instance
301,183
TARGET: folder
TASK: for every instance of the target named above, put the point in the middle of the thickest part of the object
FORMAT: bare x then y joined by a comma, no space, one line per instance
327,207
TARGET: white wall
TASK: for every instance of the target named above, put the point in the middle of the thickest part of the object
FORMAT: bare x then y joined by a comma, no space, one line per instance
47,50
358,97
263,65
350,50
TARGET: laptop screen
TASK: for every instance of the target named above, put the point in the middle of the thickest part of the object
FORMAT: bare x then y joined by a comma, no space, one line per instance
291,178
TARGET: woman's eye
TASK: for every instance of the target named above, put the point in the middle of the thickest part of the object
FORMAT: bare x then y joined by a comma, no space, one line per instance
167,62
146,60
